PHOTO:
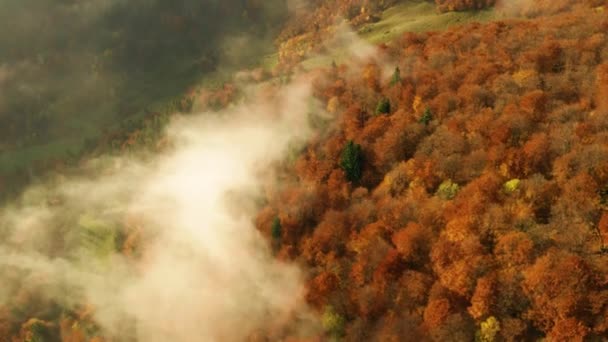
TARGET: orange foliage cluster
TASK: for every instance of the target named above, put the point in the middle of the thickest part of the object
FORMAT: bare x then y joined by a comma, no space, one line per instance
519,127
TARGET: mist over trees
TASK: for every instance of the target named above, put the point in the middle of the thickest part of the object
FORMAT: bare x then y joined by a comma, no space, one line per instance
449,185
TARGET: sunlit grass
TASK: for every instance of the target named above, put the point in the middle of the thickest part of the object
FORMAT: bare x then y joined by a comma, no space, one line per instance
409,16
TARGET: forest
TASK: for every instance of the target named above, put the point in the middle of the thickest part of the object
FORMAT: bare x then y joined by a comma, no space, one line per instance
447,185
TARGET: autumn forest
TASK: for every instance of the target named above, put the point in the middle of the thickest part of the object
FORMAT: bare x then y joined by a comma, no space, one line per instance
348,170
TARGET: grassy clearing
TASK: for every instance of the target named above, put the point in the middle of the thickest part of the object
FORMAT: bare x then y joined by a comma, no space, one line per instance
417,16
409,16
68,138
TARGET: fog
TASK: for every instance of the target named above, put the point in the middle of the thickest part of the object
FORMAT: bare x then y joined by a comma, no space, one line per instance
163,247
204,272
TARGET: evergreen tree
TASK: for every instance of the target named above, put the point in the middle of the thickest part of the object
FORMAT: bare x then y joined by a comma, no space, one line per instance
426,117
384,107
351,161
276,230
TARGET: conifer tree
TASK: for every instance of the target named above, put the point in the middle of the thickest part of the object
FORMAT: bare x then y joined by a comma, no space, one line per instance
427,116
383,107
351,161
276,230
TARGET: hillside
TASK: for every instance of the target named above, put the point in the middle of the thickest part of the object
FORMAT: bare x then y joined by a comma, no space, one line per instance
396,171
71,71
472,205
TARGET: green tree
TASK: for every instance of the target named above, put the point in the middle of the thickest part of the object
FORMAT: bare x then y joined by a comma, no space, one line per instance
276,230
333,323
448,190
351,161
488,330
39,331
512,185
427,116
396,79
383,107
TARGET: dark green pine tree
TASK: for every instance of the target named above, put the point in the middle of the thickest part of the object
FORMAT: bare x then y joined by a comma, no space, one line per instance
276,230
383,107
351,161
427,116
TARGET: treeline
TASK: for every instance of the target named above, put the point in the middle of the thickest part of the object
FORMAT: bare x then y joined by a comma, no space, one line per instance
462,5
526,8
464,197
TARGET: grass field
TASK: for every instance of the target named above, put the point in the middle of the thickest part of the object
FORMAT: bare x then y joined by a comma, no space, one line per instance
418,16
153,93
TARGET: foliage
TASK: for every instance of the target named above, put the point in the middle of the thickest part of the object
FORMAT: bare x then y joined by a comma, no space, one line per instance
448,190
512,185
383,106
351,161
36,330
426,117
489,330
276,230
333,323
383,247
398,258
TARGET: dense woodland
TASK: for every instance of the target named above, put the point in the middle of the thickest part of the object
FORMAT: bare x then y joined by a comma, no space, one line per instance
462,197
474,205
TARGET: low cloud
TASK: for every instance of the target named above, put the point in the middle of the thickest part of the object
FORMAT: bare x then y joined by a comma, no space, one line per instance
203,272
